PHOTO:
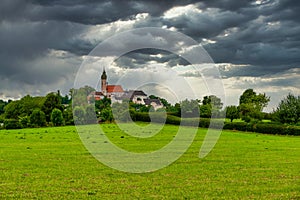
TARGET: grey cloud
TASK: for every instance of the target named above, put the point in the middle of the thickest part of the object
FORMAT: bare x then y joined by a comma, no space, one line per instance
264,36
138,58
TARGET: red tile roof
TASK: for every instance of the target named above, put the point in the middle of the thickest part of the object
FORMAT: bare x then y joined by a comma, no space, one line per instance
114,88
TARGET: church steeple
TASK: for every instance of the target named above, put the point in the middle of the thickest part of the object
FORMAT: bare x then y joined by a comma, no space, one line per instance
103,76
103,82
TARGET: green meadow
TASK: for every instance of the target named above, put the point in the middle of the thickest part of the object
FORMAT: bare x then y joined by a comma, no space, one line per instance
52,163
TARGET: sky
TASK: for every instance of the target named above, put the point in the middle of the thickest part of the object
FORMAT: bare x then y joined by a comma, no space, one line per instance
254,44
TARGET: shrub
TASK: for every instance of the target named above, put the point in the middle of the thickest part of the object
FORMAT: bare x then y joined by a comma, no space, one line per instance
173,120
12,124
79,115
37,118
240,126
140,116
190,122
24,121
246,118
1,119
57,117
204,122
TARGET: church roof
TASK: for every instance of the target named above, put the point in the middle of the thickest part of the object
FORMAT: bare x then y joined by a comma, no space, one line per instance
93,93
138,93
114,88
131,93
149,101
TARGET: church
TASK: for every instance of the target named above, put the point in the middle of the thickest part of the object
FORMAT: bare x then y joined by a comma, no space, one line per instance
117,94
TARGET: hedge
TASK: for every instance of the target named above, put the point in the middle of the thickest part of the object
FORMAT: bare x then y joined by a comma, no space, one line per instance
268,128
276,129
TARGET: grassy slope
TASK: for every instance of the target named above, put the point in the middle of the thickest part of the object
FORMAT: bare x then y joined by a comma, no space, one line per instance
52,163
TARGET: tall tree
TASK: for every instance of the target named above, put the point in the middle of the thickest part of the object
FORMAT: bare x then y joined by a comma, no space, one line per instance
102,104
79,115
52,101
288,110
205,111
23,107
37,118
252,104
258,101
214,101
57,117
2,105
189,108
79,96
232,112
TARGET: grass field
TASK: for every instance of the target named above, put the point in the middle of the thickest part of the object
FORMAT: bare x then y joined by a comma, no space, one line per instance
52,163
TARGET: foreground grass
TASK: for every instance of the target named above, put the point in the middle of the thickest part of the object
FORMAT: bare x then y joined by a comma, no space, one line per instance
52,163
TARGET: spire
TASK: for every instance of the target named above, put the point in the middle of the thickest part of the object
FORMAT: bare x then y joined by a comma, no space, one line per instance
103,76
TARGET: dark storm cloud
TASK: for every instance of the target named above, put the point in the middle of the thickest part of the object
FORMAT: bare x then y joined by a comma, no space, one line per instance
138,58
232,5
82,11
264,35
24,42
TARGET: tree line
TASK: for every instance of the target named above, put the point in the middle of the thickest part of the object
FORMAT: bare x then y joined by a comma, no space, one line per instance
251,105
51,110
57,110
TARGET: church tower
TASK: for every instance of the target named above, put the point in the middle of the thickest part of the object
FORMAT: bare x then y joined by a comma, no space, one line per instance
103,82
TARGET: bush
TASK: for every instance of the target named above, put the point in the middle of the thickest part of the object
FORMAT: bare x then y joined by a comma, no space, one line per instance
204,122
12,124
2,119
140,116
173,120
24,121
240,126
37,118
79,115
190,122
57,117
246,118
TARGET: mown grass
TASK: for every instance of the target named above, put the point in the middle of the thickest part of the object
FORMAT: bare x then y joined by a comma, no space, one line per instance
52,163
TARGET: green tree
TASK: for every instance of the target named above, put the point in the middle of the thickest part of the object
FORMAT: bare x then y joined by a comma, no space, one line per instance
288,110
65,100
23,107
102,104
205,111
2,105
90,114
79,96
79,115
57,117
121,112
212,106
29,103
252,104
25,121
189,108
232,112
258,101
12,110
216,102
68,116
106,115
37,118
52,101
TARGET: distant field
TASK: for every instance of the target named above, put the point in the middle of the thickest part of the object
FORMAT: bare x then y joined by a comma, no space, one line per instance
52,163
